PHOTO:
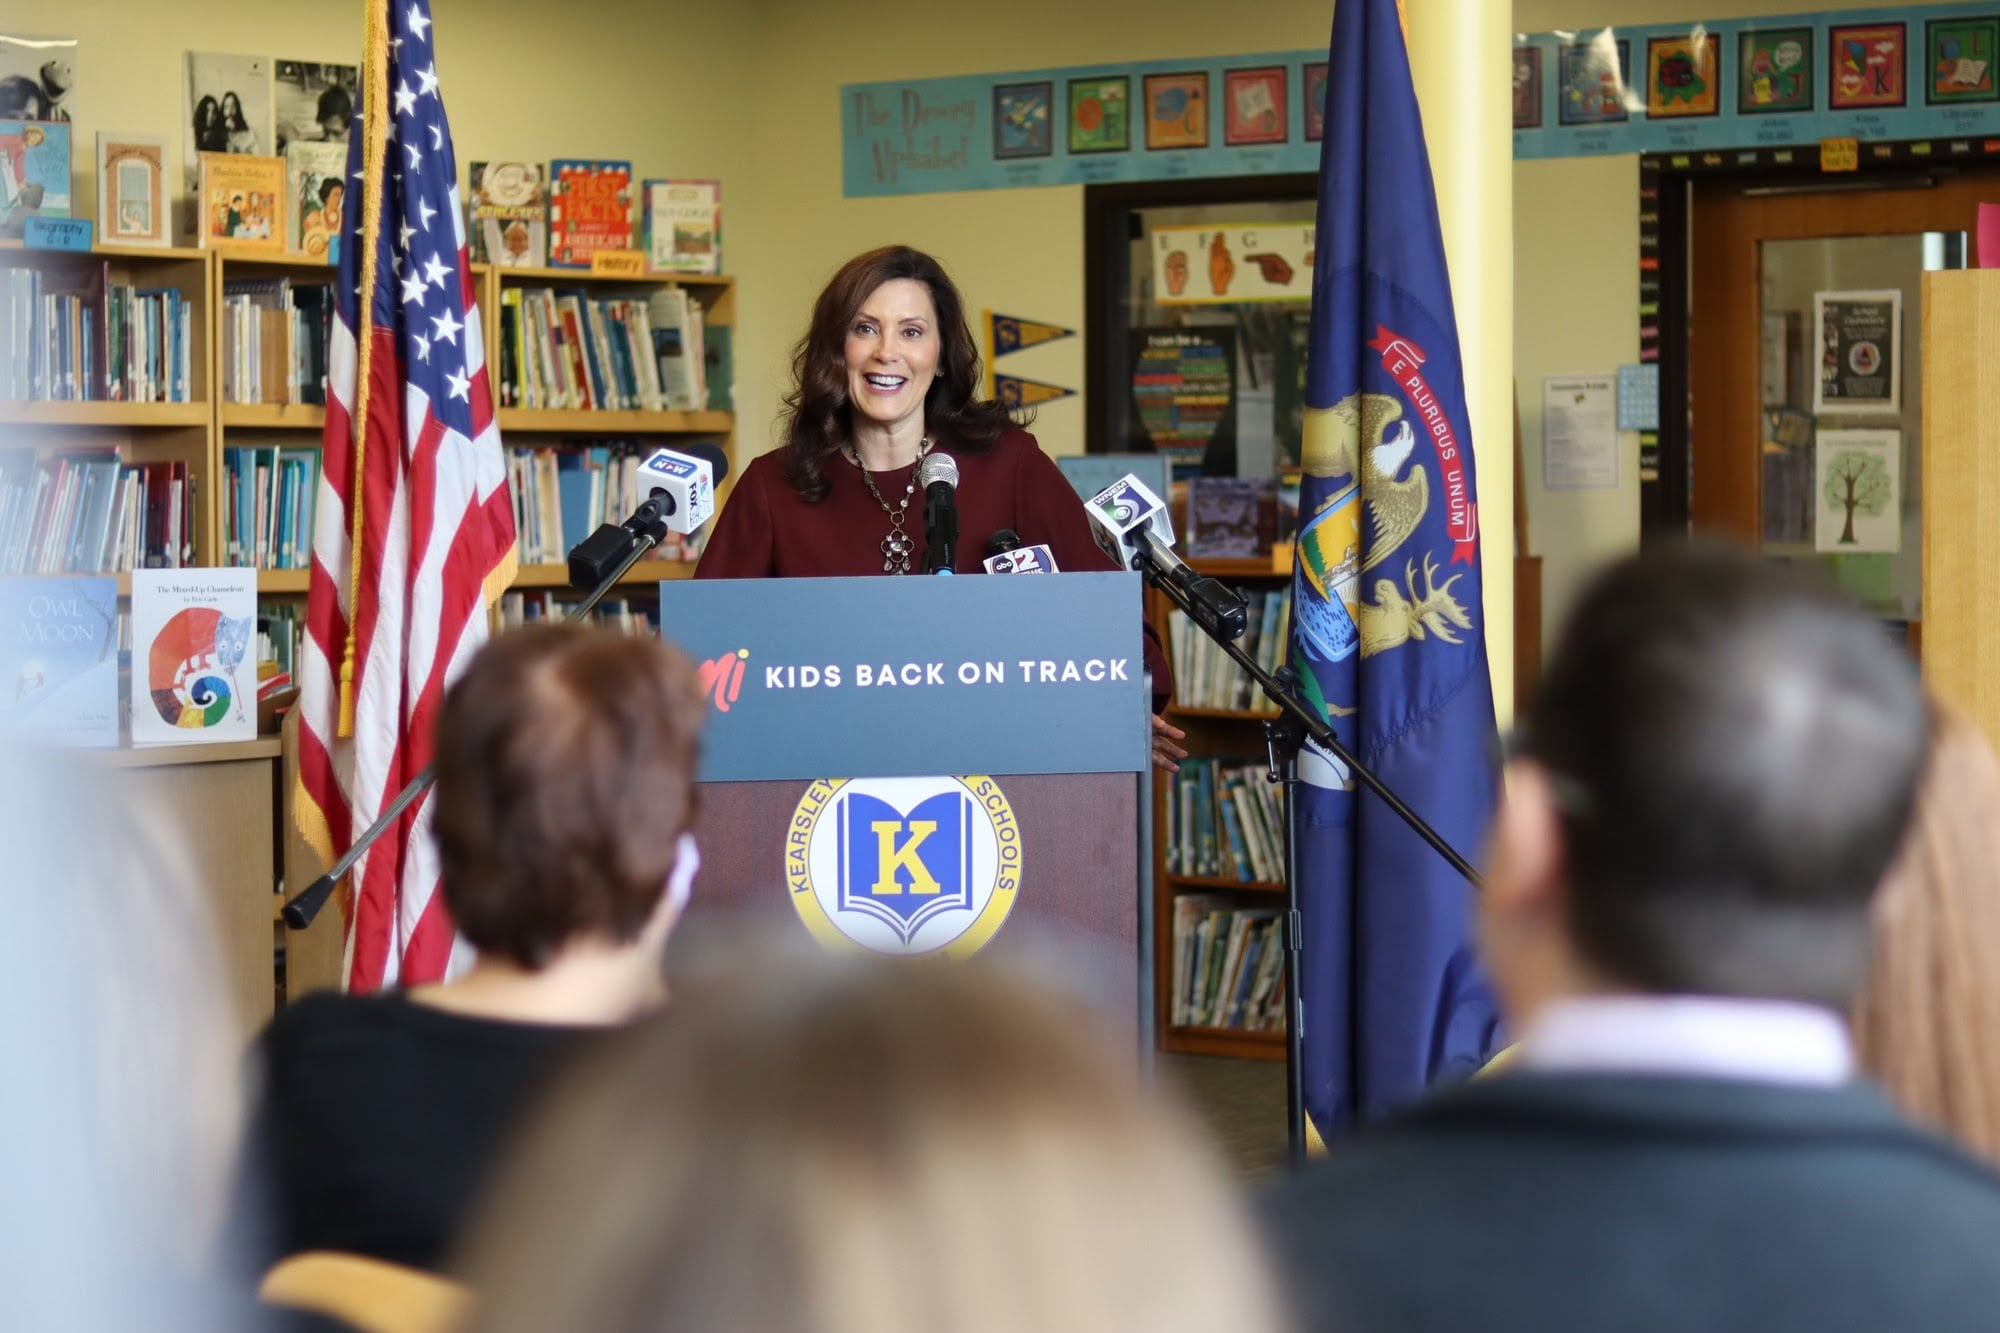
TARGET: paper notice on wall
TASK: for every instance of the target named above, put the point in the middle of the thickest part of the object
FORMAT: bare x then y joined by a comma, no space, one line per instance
1579,432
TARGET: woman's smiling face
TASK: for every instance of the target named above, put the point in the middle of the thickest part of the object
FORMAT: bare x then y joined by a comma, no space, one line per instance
892,352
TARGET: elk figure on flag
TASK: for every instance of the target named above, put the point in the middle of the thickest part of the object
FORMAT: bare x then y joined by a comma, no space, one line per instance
1388,636
413,529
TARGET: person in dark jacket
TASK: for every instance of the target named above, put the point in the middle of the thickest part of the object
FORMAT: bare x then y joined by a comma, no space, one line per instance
1715,775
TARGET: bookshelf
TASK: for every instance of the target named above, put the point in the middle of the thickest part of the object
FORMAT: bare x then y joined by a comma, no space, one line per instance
197,429
77,391
1236,736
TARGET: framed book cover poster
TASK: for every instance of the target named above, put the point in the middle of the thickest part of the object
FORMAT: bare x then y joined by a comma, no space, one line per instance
1960,60
1683,76
1100,114
131,190
1593,77
316,182
1023,116
1867,66
1774,71
1314,88
1177,110
1858,366
1254,103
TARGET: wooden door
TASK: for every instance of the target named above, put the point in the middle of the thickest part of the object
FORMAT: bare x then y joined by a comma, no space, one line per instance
1758,256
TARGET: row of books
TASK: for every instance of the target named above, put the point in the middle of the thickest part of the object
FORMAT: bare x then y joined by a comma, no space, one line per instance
90,513
1229,966
274,341
564,349
267,512
563,495
613,613
1226,821
70,334
560,214
1207,677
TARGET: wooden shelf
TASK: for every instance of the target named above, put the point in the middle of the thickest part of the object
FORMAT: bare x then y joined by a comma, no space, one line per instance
1224,714
137,416
646,571
574,421
649,278
286,416
280,581
156,756
1223,882
279,259
1225,1041
171,253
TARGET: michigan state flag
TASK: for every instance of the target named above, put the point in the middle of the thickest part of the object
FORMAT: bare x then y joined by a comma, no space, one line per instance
1387,620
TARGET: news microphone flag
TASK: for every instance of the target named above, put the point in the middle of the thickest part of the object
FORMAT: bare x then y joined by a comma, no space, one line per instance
413,530
1387,630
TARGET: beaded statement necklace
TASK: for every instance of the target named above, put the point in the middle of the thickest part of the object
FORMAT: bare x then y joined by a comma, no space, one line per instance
897,546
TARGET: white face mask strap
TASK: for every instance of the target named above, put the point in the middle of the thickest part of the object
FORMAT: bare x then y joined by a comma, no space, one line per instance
680,881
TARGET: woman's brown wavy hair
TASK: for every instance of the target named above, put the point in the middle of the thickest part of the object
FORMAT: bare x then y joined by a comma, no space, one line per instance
818,415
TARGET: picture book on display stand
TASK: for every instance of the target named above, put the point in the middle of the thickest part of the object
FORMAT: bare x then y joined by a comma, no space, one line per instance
194,656
59,656
132,199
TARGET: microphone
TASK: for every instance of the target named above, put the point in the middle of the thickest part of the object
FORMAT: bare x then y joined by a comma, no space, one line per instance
680,497
1006,555
938,475
1133,527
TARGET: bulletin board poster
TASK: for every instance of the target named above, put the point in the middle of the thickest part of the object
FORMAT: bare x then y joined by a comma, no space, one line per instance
1858,337
1184,390
1226,265
1877,73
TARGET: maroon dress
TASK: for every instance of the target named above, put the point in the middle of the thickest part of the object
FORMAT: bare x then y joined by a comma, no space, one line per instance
767,530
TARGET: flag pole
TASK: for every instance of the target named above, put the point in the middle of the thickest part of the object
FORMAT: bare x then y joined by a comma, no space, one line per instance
374,179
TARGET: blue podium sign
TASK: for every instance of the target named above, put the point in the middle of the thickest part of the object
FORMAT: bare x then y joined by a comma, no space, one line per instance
891,677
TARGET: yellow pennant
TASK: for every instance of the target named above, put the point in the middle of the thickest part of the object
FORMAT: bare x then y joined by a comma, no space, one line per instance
1013,391
1009,334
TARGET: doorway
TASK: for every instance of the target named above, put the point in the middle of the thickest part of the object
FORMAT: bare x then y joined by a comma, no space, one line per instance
1804,368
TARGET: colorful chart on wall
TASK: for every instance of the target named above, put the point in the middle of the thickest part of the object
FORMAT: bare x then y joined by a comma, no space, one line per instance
1184,387
1257,261
1874,74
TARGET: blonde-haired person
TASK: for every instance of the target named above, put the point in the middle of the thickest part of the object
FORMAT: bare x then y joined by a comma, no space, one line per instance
866,1150
1927,1025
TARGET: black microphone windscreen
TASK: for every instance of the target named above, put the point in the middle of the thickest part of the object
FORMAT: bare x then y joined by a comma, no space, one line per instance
718,461
1003,541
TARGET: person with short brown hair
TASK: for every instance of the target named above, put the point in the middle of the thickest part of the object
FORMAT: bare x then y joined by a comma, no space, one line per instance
865,1147
565,760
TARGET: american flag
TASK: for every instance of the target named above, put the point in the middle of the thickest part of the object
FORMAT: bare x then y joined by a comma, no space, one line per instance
433,524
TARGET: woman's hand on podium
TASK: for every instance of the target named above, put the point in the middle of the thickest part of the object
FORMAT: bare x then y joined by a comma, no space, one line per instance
1166,754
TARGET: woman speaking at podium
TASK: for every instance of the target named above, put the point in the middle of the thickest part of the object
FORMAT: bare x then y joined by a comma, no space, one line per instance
886,373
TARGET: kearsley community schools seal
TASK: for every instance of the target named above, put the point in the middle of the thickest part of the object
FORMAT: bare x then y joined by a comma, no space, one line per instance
904,865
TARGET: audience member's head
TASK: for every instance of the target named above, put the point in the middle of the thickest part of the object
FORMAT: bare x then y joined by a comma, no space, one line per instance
122,1102
1714,776
1928,1021
879,1149
565,791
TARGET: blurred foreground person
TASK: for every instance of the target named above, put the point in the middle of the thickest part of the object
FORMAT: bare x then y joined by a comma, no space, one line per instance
565,761
1928,1024
1714,779
872,1149
121,1103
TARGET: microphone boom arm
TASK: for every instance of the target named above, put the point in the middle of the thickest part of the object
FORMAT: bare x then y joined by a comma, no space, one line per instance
1282,690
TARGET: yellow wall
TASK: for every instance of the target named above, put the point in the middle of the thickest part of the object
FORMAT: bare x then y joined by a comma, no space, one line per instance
519,82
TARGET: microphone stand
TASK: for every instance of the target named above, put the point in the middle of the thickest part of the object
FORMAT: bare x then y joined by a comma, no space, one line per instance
1284,736
639,534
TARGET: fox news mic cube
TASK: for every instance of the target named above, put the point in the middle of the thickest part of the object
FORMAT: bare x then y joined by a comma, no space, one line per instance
929,767
687,480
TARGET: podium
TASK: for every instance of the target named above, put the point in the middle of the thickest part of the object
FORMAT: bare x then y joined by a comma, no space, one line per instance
939,767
